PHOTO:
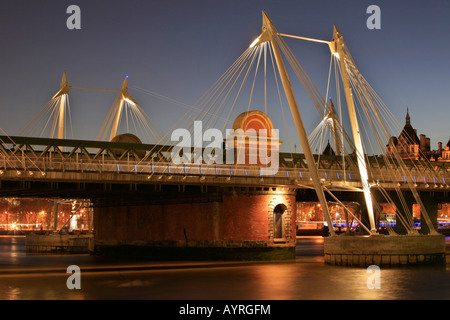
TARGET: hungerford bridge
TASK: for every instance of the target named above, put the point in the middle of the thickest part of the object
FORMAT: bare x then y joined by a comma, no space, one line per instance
146,204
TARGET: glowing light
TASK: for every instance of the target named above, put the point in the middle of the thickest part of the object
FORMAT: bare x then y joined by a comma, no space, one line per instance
254,43
278,199
129,101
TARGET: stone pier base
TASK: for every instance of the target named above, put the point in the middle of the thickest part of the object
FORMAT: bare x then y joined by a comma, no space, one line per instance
58,243
383,250
195,250
226,223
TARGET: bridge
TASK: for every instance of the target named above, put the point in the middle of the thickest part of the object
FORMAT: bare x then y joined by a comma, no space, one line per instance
248,204
42,160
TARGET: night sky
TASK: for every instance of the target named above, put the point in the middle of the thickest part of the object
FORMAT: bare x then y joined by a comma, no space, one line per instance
179,48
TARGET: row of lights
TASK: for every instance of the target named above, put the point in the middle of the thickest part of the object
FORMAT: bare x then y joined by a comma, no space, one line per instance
31,173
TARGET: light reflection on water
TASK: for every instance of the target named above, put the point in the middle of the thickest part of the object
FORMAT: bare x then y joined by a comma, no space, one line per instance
305,278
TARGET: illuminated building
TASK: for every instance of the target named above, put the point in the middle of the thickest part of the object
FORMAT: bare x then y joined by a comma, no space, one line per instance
411,146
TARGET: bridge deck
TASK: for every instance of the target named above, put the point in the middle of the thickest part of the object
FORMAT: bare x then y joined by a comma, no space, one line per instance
38,159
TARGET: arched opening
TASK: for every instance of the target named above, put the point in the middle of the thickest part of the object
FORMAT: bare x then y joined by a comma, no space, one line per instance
278,212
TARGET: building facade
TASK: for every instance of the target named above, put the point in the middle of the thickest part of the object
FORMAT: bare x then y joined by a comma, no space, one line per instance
411,146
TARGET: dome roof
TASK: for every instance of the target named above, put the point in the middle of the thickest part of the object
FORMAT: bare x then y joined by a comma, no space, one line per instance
255,120
126,138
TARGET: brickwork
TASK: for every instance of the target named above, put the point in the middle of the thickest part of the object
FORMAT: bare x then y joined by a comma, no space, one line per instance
244,218
174,222
288,217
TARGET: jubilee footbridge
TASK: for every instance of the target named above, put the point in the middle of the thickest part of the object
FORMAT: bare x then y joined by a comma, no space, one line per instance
47,156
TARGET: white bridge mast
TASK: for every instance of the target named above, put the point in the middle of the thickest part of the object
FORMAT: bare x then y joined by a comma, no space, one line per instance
337,48
270,34
60,114
124,97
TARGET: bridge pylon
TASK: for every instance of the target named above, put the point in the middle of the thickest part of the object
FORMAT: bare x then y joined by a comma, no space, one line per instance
337,48
121,104
125,97
270,34
60,113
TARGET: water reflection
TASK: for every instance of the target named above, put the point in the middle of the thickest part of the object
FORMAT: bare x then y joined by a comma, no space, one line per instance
273,281
11,293
307,277
12,248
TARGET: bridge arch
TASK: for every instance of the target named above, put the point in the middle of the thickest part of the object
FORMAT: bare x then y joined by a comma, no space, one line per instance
279,215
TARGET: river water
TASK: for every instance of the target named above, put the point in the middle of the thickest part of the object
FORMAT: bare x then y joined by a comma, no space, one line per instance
31,277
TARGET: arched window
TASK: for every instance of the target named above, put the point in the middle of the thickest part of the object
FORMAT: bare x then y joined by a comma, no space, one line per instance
278,212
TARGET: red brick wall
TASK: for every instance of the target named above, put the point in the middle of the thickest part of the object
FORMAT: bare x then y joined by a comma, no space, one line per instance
157,222
245,218
237,218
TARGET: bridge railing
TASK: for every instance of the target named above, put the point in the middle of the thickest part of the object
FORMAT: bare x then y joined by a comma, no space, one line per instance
36,165
32,158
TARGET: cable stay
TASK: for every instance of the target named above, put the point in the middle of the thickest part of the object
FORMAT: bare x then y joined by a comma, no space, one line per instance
54,118
56,112
366,111
125,106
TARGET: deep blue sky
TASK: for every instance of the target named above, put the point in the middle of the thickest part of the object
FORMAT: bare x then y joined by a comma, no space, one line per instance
179,48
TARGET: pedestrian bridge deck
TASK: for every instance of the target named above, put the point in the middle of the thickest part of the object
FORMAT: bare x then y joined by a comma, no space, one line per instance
40,159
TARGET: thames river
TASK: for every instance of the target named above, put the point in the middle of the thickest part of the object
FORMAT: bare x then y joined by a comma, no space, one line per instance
45,277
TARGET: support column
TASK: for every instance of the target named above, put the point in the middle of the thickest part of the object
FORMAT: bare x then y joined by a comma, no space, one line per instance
55,215
430,203
399,227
